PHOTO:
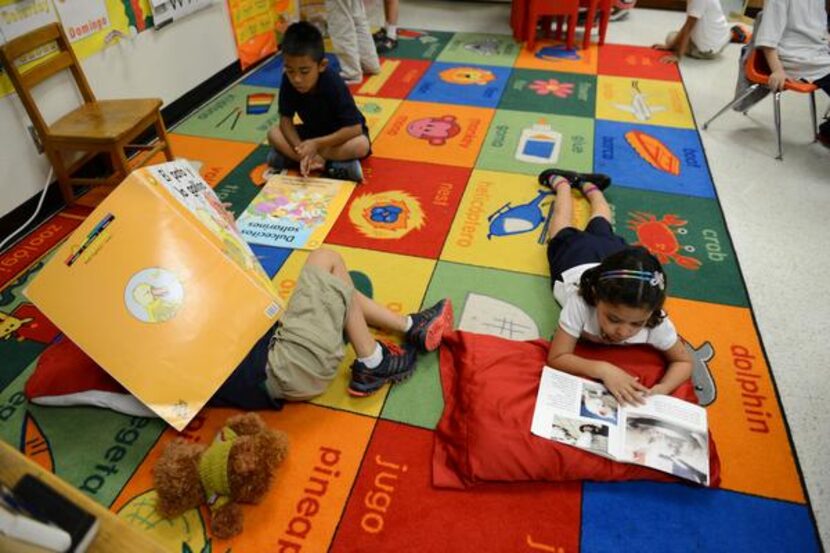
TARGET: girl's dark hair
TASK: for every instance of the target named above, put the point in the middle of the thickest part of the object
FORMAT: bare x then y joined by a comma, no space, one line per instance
631,277
303,39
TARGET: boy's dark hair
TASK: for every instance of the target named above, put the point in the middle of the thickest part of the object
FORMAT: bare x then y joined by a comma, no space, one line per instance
303,39
631,277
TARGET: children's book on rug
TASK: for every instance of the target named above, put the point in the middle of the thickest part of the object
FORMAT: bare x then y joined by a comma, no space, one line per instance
294,212
665,433
159,288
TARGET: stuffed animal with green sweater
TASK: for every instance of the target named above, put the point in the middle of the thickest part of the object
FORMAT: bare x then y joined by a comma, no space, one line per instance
236,468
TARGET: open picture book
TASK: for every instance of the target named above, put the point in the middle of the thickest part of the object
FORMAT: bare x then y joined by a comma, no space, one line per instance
665,433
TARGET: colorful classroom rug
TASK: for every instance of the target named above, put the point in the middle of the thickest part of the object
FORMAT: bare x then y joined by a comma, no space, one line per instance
461,125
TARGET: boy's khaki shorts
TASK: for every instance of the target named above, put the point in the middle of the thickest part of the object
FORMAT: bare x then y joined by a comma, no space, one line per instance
308,346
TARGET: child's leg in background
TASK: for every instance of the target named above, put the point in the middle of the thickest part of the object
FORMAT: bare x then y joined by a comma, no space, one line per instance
341,25
369,61
562,215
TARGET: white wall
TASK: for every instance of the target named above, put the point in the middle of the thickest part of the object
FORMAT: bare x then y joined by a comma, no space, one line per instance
162,64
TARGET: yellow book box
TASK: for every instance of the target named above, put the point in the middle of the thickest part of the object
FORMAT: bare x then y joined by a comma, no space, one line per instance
160,289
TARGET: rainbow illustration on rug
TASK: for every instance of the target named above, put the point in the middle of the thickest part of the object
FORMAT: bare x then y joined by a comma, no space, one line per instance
461,124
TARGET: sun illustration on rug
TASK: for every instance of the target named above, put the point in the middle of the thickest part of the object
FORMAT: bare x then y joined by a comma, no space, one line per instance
553,87
387,215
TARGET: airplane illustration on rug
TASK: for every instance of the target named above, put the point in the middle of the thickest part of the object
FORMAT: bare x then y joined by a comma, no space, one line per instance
639,106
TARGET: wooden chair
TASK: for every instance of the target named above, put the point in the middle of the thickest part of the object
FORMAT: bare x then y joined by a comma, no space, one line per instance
95,127
757,72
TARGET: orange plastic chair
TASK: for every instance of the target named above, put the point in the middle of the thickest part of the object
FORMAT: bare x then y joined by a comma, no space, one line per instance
547,8
604,7
95,127
757,71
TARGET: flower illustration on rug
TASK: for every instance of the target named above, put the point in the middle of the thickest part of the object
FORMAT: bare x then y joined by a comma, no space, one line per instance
552,87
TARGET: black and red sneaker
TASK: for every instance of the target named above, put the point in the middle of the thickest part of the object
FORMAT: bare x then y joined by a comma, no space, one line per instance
397,364
428,326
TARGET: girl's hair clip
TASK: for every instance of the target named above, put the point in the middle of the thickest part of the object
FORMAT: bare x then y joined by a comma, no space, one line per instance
655,278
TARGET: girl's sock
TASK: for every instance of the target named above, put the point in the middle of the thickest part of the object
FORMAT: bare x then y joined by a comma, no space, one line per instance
374,359
587,188
560,182
392,31
408,323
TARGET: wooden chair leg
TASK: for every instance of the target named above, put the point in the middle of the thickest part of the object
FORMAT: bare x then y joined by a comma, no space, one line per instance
161,131
120,163
61,174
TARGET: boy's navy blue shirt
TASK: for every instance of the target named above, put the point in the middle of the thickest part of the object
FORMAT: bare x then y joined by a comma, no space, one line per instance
324,110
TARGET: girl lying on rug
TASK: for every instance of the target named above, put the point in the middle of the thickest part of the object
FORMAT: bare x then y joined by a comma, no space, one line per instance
610,292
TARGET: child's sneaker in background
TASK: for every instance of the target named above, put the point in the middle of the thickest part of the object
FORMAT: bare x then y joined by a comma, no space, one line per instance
397,364
345,170
428,326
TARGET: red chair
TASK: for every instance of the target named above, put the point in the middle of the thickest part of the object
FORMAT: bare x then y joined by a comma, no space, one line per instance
547,8
604,7
757,72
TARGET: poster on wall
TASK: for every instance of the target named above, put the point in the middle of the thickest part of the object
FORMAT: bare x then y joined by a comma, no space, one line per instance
253,29
18,18
90,25
286,12
178,304
167,11
82,18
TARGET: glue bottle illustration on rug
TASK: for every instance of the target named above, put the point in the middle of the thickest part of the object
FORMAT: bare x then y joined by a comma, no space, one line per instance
539,144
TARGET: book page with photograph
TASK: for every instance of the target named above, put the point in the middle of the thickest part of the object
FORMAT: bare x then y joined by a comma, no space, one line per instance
577,412
665,433
670,435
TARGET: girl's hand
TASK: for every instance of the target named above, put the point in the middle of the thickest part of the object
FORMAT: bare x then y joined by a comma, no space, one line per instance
624,387
661,46
307,148
661,389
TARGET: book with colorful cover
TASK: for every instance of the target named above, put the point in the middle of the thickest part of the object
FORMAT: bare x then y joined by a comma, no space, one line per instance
294,212
160,289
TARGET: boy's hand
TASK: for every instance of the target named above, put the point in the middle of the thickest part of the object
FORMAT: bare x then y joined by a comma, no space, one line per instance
626,388
777,80
311,163
307,148
660,389
669,58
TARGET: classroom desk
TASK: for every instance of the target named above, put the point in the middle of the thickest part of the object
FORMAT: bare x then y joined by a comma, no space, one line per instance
114,535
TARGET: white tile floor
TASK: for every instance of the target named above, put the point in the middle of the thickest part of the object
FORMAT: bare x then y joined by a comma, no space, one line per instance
777,213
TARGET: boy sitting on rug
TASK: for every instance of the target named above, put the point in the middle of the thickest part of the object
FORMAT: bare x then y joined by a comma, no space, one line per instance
333,135
298,358
704,34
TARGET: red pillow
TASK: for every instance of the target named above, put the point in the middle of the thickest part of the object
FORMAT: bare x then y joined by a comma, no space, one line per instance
65,375
490,387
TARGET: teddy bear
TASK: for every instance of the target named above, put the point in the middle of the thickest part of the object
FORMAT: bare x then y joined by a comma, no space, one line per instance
236,468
